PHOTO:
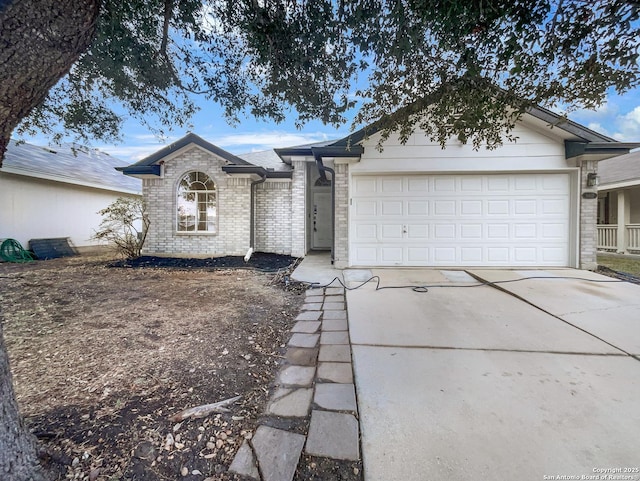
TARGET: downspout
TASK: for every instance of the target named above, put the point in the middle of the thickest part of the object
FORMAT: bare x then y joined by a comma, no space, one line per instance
322,169
252,229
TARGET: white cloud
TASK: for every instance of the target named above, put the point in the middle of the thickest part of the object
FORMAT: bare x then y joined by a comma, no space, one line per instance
627,126
132,153
137,147
256,141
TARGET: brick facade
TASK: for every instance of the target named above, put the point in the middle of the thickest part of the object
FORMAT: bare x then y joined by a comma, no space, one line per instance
233,200
273,217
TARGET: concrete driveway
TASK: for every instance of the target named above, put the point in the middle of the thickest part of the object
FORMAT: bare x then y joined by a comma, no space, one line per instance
467,382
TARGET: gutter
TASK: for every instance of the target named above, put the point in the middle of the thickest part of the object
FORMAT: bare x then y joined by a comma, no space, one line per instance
252,228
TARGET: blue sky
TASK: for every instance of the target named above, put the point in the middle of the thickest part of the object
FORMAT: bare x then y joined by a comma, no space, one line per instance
619,118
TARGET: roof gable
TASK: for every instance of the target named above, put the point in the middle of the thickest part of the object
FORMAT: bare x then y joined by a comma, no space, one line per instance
188,139
575,130
150,166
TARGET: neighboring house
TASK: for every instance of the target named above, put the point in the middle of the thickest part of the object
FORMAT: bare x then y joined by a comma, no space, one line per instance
414,204
50,192
619,204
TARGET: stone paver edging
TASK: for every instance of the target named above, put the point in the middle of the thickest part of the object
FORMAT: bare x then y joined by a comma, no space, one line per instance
314,383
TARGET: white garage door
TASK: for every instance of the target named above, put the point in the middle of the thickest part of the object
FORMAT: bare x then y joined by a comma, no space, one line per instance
460,220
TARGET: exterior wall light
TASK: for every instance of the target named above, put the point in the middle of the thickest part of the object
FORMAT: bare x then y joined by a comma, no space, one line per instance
592,179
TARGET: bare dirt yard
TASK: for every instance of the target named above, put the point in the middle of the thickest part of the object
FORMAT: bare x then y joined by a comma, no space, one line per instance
102,356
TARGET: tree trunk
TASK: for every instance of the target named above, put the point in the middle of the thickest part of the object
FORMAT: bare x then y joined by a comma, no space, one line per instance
18,452
39,42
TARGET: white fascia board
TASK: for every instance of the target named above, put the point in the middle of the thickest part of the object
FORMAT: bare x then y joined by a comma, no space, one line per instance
619,185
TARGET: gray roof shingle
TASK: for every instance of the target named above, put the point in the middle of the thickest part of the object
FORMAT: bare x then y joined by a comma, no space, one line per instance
89,167
268,159
619,169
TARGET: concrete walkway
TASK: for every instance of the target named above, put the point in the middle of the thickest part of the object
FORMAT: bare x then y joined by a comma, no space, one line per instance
467,382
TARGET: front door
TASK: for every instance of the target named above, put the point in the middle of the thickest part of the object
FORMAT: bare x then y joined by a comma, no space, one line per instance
321,218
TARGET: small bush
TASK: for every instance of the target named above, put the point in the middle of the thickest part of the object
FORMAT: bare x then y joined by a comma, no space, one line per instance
124,226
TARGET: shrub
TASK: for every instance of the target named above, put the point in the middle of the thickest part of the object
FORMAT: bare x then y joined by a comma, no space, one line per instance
124,226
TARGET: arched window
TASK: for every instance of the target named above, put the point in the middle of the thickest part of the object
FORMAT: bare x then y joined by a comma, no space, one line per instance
197,208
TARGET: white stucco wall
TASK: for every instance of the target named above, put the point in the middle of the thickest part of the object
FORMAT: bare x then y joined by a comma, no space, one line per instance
32,208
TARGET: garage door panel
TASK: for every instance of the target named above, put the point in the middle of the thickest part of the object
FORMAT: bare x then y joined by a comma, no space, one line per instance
525,231
366,255
391,232
497,184
450,220
391,207
444,207
364,185
471,207
553,231
418,231
418,184
498,231
366,208
498,207
391,185
553,254
417,255
553,206
471,184
471,255
444,184
391,255
444,232
471,231
417,207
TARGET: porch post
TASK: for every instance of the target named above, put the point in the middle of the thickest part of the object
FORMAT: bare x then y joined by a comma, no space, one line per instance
624,218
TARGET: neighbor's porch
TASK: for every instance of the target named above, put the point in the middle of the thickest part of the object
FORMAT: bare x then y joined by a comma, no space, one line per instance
619,221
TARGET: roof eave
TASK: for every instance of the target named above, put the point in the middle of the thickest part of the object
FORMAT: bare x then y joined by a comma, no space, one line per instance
612,149
338,151
254,169
141,171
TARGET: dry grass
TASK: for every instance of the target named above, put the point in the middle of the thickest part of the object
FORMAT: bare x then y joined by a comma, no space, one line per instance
626,264
101,357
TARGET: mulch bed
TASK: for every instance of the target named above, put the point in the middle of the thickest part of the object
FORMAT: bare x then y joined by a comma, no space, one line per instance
623,276
259,261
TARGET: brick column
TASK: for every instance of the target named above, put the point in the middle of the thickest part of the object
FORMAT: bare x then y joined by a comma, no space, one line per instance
588,218
341,241
298,209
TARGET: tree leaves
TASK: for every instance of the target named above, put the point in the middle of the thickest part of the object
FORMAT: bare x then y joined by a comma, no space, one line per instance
470,67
